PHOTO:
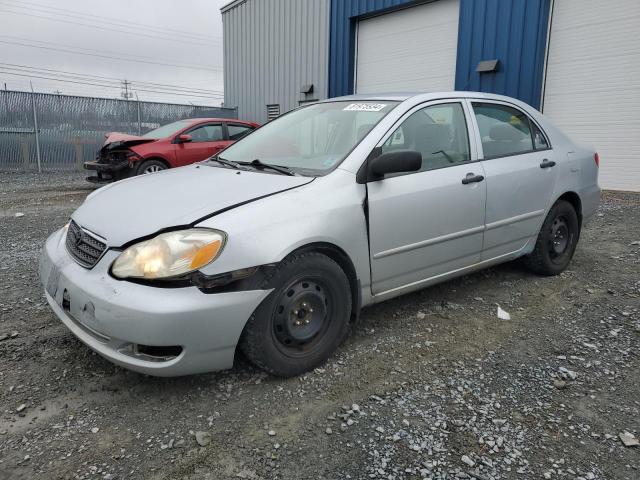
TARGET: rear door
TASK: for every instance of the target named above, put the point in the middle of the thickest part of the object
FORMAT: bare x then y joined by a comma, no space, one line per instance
206,140
520,169
426,223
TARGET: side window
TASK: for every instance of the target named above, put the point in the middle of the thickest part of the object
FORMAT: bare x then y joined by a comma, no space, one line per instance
206,133
438,132
504,130
539,140
236,132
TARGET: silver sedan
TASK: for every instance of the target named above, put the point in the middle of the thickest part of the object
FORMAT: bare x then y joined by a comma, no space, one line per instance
274,246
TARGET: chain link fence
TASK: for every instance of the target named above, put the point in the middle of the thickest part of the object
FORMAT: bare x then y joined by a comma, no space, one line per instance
41,131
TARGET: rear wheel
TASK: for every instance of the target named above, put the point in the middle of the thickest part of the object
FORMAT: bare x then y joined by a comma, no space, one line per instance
151,166
556,241
303,320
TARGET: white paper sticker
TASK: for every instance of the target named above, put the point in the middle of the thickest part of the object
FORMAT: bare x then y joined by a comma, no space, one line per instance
365,107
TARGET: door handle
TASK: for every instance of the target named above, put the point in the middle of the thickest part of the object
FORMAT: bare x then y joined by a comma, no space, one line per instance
472,178
547,163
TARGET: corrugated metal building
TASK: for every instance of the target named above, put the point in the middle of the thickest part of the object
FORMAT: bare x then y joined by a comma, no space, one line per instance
274,49
576,60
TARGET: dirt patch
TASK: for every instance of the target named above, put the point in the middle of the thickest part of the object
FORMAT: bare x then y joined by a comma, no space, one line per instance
429,385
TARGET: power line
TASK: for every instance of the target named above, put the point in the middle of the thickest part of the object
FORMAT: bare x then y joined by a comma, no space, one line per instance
109,56
22,85
19,84
126,32
82,76
104,52
108,20
217,96
54,75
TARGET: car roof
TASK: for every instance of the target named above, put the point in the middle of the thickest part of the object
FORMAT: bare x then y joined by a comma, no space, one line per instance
422,96
200,120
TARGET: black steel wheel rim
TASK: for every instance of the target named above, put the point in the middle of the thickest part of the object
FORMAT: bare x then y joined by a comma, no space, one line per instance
301,316
559,237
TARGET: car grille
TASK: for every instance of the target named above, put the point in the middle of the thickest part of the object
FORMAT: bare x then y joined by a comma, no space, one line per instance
85,248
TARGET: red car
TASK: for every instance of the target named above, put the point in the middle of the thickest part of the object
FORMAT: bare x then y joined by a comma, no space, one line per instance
174,145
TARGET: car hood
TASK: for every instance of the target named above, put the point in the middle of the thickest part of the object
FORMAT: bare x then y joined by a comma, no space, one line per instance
119,140
130,209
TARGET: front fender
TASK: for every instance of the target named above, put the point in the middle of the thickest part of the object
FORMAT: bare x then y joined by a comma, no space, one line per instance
328,210
152,151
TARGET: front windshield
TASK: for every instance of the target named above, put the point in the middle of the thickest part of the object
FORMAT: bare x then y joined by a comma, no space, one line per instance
314,138
167,130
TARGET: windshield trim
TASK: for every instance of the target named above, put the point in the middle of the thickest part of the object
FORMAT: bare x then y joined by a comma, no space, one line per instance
310,172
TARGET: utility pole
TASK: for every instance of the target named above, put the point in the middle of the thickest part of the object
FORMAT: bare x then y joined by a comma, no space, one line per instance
126,94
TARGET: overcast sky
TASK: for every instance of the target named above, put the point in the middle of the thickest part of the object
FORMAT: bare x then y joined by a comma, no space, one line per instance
170,50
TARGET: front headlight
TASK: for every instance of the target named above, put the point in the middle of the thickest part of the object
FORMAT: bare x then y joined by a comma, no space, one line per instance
170,254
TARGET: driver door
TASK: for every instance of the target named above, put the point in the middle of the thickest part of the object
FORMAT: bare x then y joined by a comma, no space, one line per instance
206,140
427,223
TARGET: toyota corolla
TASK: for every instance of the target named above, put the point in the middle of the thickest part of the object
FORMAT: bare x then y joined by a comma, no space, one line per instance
274,246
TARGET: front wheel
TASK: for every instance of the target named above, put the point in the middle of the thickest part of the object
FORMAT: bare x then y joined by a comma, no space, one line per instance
303,320
151,166
556,241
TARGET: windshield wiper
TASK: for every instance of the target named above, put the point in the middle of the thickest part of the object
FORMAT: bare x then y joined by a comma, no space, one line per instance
223,161
276,168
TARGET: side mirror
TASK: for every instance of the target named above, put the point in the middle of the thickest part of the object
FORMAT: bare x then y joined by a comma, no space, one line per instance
184,138
395,162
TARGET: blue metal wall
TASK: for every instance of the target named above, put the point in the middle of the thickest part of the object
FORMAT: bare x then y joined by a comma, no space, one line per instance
513,31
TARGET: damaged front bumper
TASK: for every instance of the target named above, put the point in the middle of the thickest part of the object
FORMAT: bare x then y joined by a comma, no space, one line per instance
107,170
151,330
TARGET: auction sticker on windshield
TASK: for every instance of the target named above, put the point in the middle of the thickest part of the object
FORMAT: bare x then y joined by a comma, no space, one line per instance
365,107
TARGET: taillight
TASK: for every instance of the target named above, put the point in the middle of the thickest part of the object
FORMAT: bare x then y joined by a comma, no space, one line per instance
596,158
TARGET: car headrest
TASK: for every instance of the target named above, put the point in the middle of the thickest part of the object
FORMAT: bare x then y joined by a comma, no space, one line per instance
433,137
503,132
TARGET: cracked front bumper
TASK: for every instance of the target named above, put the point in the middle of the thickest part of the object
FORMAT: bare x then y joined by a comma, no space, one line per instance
114,318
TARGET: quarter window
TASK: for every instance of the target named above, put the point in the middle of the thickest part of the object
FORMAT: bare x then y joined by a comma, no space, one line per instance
503,130
236,132
539,140
206,133
438,132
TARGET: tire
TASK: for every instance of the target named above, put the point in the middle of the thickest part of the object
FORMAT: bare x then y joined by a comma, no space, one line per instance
556,241
303,320
150,166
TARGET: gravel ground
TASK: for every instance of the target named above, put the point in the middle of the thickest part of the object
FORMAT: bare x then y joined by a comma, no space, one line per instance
429,385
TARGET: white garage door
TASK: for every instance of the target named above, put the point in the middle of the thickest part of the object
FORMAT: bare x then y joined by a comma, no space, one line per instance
409,50
592,88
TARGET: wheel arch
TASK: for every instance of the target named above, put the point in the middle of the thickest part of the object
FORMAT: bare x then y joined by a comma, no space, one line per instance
341,257
158,158
574,199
